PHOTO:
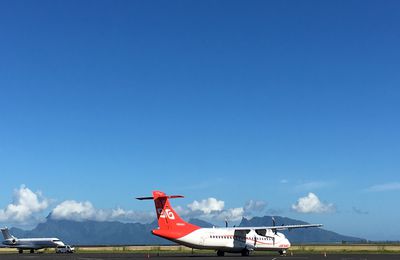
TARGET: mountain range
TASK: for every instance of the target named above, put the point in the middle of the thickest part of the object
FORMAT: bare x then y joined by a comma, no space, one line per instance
116,233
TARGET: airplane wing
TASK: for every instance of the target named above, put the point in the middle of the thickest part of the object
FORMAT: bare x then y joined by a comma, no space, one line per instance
286,227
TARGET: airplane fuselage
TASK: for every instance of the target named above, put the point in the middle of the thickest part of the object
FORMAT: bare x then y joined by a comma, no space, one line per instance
33,243
230,240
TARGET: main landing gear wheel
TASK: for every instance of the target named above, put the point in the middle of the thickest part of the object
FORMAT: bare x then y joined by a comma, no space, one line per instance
32,251
220,253
20,251
282,252
245,252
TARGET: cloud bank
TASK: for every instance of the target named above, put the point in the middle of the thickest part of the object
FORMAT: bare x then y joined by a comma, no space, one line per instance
29,208
80,211
211,209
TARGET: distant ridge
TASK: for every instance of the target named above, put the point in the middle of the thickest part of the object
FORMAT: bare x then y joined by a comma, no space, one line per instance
117,233
201,223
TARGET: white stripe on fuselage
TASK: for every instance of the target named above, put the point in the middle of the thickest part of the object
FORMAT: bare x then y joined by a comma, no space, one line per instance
225,239
34,243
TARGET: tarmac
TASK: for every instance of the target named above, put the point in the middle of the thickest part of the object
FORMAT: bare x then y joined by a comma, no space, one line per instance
119,256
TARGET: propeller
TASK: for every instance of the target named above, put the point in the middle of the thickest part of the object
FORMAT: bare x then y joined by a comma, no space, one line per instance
288,228
274,224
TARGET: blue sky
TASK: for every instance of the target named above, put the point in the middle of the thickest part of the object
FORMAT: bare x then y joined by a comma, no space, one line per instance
263,101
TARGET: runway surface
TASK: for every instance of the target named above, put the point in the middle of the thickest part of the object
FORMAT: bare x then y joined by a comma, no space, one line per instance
116,256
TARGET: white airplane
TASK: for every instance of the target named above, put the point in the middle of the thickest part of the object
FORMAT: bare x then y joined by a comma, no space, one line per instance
230,239
31,244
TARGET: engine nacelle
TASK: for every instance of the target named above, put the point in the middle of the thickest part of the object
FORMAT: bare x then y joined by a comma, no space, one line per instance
251,240
11,241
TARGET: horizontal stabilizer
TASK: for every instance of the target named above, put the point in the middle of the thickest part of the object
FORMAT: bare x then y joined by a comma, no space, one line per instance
175,196
145,198
167,197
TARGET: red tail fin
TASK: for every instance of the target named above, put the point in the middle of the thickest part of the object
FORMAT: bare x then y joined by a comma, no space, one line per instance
171,225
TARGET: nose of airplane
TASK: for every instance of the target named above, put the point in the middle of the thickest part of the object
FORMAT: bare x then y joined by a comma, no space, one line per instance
288,242
59,243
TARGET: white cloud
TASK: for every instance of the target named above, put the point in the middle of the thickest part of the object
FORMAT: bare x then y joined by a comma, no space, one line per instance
212,209
79,211
233,214
255,206
73,210
390,186
25,205
312,204
183,211
207,206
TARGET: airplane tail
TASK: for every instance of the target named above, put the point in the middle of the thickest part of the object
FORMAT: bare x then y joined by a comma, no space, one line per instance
6,233
171,225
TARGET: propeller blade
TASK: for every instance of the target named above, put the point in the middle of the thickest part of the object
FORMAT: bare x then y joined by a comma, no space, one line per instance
274,224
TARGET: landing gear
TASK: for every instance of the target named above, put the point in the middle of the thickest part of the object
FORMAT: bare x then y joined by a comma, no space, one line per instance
32,251
245,252
282,252
20,251
220,253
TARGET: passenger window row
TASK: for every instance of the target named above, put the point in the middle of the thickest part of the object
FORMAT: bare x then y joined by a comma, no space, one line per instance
238,237
227,237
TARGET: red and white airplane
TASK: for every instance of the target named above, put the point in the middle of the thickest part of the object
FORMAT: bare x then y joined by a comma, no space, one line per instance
230,239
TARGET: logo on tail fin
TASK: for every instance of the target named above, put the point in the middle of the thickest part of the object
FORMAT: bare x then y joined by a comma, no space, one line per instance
165,213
